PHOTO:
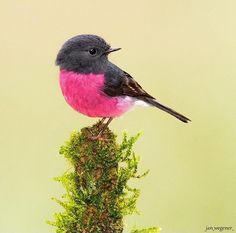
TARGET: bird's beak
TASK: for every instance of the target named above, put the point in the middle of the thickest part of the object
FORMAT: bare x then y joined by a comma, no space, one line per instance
110,50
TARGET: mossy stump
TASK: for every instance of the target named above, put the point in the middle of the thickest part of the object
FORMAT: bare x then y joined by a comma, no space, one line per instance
97,195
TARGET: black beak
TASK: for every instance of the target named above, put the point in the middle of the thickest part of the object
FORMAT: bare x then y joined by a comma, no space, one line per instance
110,50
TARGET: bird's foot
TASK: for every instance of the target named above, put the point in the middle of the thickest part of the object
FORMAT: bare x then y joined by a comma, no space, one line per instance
100,138
99,131
94,136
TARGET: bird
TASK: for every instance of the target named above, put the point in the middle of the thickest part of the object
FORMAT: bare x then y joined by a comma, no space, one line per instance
95,87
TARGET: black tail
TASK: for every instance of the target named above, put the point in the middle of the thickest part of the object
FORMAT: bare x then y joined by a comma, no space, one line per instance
168,110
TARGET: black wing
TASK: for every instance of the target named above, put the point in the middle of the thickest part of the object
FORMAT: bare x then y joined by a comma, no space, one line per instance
120,83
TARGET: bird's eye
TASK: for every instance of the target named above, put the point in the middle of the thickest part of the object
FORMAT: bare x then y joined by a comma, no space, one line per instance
93,51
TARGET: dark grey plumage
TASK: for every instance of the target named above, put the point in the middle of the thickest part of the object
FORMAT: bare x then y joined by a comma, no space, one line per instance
74,56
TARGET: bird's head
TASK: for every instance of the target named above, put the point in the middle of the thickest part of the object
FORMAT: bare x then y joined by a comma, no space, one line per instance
84,54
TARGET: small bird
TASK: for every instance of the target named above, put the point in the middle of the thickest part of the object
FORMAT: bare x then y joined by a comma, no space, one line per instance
94,86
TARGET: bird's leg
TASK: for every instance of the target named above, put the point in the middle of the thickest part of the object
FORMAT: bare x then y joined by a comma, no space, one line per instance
103,119
102,129
101,122
108,122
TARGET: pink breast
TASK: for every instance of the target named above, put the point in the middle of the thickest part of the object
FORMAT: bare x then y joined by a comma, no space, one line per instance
83,92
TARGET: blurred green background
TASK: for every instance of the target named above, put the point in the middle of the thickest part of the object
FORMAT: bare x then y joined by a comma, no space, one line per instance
182,52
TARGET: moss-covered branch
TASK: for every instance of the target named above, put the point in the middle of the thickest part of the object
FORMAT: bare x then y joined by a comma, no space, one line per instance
97,194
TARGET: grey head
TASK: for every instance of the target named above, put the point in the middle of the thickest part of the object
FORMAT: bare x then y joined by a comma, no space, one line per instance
84,54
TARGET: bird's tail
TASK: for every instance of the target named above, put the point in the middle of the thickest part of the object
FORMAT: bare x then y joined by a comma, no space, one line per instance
172,112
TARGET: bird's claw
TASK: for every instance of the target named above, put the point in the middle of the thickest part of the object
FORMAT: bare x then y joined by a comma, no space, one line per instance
98,138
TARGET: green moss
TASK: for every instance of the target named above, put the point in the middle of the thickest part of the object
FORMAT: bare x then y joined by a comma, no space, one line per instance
97,194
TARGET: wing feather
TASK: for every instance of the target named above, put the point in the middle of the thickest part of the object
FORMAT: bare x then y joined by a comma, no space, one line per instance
121,83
